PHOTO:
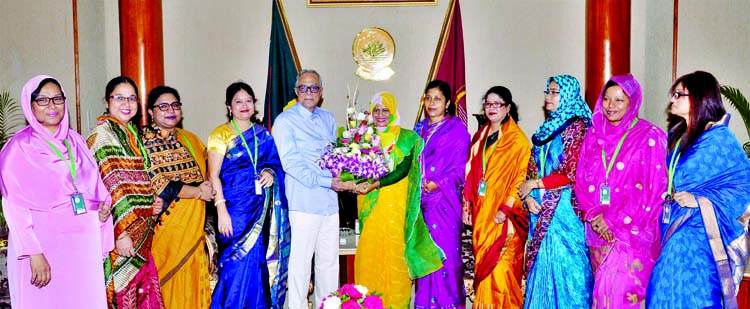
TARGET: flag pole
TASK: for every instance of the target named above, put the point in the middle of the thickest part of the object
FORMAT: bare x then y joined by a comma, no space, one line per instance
438,56
289,35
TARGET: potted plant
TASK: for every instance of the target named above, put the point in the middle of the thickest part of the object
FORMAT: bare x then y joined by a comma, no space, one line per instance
10,119
738,100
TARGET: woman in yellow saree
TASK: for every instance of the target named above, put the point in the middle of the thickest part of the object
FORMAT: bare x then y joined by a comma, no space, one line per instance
395,245
497,165
178,176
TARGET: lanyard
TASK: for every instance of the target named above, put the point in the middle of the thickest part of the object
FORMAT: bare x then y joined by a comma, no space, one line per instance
253,156
144,154
617,151
673,166
427,140
187,143
484,155
543,154
73,171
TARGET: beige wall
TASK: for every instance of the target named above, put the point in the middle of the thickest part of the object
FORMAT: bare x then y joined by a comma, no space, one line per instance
44,46
513,43
714,38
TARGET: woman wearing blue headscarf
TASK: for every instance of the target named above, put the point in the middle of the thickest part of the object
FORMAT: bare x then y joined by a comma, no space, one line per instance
557,263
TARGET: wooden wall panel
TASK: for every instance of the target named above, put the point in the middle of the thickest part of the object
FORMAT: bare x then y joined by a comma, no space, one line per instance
607,44
142,46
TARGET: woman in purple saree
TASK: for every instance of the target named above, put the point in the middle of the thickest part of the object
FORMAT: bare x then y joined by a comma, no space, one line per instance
622,231
443,175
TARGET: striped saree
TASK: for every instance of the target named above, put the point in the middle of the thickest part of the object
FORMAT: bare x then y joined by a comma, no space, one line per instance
132,282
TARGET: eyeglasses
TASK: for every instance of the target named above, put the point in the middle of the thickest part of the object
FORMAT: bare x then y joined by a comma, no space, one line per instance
490,105
306,88
678,95
552,93
165,106
121,98
58,100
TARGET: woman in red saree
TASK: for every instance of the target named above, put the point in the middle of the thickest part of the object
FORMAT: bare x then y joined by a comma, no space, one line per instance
498,160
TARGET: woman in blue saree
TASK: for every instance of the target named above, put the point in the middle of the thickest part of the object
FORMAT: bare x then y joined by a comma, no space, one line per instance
704,238
557,263
254,233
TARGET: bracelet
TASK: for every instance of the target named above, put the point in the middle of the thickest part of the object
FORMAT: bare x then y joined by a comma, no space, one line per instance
538,185
220,202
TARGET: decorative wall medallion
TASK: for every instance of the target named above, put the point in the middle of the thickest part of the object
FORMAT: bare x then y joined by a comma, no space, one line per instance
373,50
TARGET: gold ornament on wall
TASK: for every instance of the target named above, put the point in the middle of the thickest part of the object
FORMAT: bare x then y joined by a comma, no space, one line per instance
373,51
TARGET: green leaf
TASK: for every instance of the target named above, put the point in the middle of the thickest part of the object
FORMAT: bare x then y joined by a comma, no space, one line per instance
10,120
738,100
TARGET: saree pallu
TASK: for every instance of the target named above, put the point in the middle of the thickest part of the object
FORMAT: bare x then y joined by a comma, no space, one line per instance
557,263
395,245
704,249
499,248
253,262
132,282
179,241
444,162
638,181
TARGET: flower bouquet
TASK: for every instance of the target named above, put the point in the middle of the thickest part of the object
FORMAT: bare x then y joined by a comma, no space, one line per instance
356,154
351,296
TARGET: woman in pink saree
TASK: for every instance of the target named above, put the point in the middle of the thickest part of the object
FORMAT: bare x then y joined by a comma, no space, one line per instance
620,182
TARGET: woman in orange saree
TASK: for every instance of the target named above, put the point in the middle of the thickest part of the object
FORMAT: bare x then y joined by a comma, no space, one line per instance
497,165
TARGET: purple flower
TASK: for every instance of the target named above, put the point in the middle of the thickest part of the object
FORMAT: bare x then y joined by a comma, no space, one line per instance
350,304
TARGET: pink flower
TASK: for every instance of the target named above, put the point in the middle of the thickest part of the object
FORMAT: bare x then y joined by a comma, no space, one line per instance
373,302
349,289
350,304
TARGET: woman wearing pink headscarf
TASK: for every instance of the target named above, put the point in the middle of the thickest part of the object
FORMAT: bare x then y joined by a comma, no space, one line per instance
56,206
620,182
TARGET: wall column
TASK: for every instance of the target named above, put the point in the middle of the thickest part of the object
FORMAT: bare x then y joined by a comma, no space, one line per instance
607,44
141,46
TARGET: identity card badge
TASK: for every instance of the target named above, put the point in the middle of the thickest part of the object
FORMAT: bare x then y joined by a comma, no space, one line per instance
605,194
482,188
79,207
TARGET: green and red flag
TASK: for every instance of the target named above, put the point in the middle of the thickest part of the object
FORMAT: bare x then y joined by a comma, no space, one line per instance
283,66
